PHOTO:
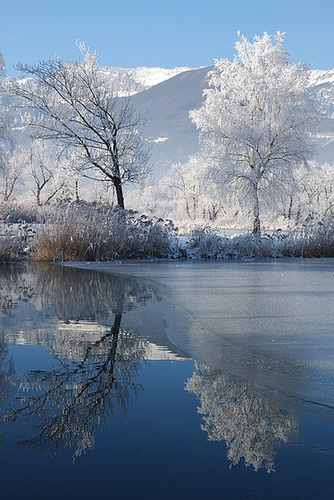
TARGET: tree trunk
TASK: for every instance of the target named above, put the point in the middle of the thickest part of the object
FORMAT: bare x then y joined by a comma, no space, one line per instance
77,190
38,195
256,231
119,192
290,208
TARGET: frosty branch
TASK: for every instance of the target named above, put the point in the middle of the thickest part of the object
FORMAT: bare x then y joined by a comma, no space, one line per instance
255,122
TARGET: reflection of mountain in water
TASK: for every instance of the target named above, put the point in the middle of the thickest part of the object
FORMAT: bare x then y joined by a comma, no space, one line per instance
87,321
252,426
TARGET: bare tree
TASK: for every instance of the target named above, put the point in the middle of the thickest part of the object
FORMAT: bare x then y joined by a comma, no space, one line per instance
72,104
45,170
12,166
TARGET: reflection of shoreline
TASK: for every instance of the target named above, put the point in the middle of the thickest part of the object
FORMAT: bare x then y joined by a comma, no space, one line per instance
94,326
83,331
269,322
252,427
48,305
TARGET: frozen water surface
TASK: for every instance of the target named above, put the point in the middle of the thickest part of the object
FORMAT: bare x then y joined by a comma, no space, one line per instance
169,380
270,322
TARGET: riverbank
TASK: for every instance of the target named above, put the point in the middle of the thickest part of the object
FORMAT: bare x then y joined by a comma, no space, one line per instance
79,231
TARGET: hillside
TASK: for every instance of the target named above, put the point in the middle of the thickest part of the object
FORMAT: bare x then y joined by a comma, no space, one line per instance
172,135
166,107
127,81
165,97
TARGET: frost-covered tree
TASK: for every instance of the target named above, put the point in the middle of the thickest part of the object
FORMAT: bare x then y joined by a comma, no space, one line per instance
310,196
12,166
2,67
9,170
196,190
5,138
255,122
316,196
72,104
45,170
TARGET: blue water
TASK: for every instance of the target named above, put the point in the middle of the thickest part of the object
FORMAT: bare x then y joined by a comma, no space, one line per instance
97,402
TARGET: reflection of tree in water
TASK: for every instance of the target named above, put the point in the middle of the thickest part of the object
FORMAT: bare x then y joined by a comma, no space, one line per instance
6,371
252,427
13,287
76,294
6,374
78,398
68,403
72,294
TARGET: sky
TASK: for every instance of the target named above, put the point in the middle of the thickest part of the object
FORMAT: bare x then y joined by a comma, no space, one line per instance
167,33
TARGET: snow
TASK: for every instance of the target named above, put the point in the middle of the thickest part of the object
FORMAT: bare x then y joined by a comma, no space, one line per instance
321,77
133,80
158,139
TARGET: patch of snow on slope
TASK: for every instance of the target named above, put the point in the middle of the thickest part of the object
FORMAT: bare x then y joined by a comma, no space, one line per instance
158,139
152,76
130,81
320,77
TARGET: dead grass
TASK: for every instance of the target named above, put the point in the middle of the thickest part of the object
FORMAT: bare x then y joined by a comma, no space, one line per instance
91,232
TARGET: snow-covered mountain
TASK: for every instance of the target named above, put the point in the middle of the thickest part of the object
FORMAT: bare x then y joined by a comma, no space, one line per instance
127,81
171,134
322,77
174,137
165,97
323,83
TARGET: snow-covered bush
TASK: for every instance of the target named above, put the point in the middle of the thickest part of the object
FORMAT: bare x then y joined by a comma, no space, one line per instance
93,231
315,239
16,213
206,242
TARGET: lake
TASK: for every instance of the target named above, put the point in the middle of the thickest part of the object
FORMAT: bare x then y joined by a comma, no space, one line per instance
167,380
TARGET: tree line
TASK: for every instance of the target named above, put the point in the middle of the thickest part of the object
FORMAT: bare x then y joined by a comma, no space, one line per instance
256,128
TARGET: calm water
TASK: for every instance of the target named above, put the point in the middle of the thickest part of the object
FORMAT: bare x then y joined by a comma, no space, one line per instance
206,381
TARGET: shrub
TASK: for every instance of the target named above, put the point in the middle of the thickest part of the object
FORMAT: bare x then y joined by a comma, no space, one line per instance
314,240
206,242
9,249
15,242
86,231
317,238
18,213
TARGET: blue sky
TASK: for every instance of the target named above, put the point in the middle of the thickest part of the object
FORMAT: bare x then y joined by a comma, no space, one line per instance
131,33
